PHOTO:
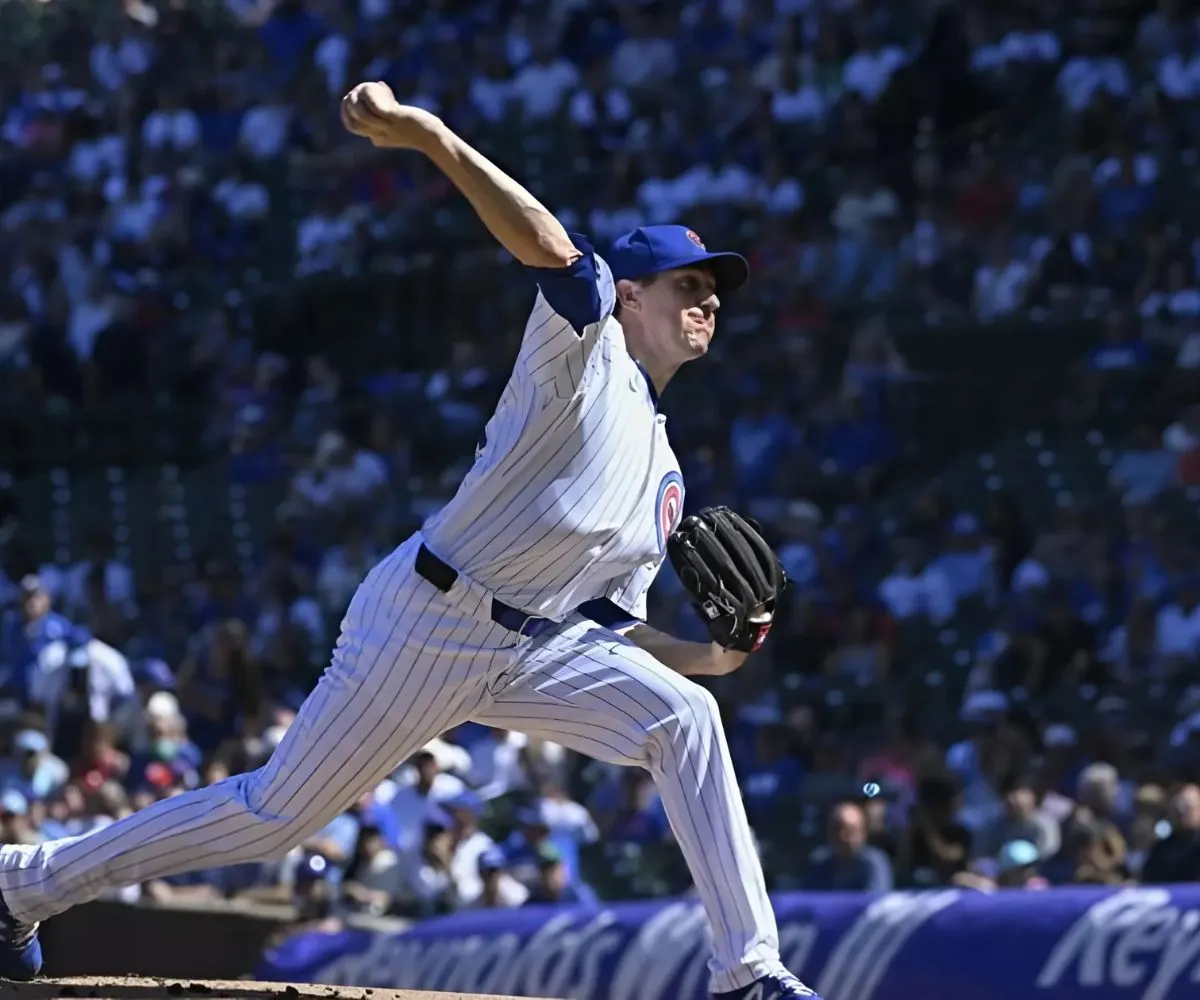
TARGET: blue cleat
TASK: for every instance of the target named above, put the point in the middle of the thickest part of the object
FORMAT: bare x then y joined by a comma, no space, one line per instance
783,986
20,949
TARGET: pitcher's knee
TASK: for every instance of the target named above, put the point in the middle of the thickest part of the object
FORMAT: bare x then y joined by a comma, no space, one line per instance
252,788
705,712
692,727
277,831
280,827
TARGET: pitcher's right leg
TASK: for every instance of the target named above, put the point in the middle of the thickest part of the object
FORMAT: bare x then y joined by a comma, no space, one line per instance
599,694
407,666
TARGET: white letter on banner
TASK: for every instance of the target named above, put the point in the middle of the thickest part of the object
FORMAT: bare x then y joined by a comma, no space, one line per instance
522,976
555,947
1085,944
861,957
1117,940
608,942
1143,942
1183,949
567,976
485,958
658,957
796,941
438,963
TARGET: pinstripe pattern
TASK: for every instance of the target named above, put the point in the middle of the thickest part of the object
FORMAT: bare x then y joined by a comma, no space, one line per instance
572,492
560,505
600,695
410,664
364,717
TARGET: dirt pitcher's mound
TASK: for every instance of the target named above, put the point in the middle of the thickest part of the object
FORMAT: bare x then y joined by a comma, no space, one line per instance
123,988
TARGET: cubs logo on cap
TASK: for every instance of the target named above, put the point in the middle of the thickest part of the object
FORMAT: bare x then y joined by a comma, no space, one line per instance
691,235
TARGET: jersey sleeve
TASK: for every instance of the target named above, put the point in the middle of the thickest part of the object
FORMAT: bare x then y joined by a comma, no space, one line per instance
573,304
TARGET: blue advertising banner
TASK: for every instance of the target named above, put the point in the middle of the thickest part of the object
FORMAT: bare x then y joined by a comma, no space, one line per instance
1075,944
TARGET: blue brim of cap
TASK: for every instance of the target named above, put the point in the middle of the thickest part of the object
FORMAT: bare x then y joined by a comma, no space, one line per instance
730,269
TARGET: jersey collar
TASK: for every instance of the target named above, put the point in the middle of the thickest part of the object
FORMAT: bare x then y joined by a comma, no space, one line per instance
649,383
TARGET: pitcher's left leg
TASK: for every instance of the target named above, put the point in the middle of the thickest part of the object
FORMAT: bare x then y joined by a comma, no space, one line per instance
406,667
597,693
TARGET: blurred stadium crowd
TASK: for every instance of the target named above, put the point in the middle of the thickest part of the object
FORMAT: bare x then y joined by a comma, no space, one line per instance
241,355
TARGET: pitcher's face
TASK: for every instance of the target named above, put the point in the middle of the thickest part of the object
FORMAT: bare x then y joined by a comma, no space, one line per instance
678,312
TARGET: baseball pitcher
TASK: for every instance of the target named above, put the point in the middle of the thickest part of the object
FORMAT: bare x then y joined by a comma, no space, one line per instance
520,604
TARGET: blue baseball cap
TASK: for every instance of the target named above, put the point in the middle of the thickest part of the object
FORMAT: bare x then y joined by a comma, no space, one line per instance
467,801
492,859
312,868
532,816
653,249
32,741
156,672
14,803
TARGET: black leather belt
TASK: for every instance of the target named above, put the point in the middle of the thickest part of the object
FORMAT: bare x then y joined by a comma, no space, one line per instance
430,568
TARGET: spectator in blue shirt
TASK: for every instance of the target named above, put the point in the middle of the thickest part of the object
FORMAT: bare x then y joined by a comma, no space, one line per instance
335,842
774,772
638,816
36,773
1125,197
848,863
553,884
499,888
220,684
761,438
523,847
857,445
967,560
570,825
30,633
1144,469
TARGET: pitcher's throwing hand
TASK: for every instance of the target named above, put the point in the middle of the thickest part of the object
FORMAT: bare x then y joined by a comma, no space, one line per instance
371,110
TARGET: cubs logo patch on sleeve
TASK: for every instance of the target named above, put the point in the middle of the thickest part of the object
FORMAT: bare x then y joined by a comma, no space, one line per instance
669,506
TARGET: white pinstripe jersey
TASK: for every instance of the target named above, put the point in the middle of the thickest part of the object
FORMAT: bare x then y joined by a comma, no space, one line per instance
575,488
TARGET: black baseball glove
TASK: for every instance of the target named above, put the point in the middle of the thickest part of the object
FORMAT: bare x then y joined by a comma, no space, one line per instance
731,573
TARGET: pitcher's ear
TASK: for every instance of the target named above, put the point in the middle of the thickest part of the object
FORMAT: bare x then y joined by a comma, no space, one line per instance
627,293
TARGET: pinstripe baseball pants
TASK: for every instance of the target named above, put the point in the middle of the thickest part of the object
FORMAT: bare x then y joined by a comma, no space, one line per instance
410,663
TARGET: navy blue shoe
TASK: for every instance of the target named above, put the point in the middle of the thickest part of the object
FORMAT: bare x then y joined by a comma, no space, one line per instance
20,949
783,986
